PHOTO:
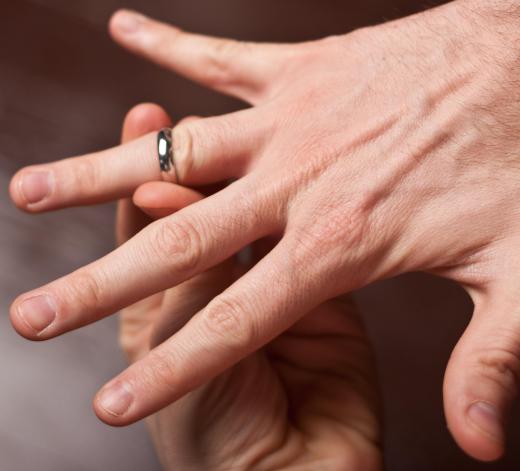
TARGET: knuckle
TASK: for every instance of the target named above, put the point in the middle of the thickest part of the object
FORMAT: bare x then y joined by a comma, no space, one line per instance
229,323
307,243
197,141
263,201
223,50
86,290
166,40
501,366
163,369
86,176
333,227
181,242
326,240
222,56
212,136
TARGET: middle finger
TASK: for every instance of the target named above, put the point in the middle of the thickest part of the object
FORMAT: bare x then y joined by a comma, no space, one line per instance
163,255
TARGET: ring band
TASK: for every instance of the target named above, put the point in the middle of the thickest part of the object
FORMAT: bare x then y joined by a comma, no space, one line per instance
166,155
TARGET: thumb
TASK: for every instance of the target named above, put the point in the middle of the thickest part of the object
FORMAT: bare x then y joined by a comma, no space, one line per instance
481,379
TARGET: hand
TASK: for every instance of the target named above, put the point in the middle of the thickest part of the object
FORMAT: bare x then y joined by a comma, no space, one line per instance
308,399
388,150
144,323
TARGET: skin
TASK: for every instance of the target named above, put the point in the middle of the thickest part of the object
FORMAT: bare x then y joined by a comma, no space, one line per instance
388,150
254,415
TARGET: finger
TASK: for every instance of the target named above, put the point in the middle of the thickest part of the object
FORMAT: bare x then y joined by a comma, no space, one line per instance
140,120
206,151
187,299
212,150
161,256
262,304
241,69
189,119
160,199
482,379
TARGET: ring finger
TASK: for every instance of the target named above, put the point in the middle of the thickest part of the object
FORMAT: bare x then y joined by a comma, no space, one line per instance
205,151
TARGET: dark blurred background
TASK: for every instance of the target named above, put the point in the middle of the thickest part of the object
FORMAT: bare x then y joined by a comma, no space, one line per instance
64,90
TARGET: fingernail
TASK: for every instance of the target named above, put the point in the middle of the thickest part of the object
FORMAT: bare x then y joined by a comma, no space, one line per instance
38,312
36,186
116,400
486,417
128,22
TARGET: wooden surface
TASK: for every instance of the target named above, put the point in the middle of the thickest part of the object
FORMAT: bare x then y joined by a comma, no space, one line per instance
64,89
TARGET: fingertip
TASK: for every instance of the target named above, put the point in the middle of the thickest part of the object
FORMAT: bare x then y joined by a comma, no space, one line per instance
112,22
479,433
478,392
114,404
123,23
105,417
156,199
474,441
487,423
144,118
15,191
144,112
154,194
21,327
31,187
137,32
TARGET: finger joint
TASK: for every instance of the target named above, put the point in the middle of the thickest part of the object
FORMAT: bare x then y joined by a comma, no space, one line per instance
86,176
502,366
180,242
222,55
229,324
86,290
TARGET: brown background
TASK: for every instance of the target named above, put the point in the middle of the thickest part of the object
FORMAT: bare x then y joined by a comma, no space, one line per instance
64,89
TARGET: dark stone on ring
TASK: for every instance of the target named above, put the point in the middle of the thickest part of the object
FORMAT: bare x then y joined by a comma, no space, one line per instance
165,150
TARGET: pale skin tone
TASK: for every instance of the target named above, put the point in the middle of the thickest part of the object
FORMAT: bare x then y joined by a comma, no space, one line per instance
388,150
308,400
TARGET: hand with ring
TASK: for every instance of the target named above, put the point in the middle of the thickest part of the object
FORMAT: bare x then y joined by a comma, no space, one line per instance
384,151
254,416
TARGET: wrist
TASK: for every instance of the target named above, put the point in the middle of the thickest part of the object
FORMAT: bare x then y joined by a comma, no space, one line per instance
506,7
493,26
495,13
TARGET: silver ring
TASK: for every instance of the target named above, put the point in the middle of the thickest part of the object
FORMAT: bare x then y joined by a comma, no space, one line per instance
166,155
